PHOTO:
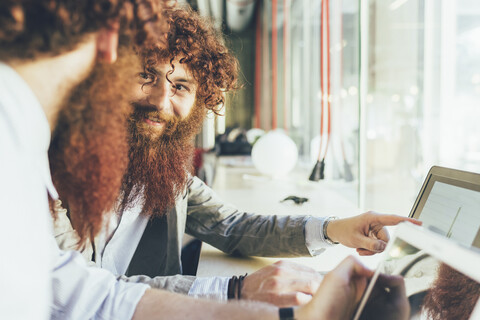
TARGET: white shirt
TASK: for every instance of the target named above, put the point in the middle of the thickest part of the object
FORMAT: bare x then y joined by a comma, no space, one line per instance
25,227
116,244
31,263
88,292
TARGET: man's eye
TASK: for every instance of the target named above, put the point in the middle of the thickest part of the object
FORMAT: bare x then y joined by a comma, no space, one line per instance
145,76
180,87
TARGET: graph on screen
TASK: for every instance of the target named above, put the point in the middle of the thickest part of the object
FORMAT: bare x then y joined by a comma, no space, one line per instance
453,211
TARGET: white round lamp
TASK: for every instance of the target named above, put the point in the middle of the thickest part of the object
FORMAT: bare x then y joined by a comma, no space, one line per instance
275,154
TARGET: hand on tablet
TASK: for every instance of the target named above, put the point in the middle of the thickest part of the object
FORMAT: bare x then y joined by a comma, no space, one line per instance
365,232
388,300
339,292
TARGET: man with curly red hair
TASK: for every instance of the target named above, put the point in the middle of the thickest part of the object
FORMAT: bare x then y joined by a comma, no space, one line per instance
160,199
49,51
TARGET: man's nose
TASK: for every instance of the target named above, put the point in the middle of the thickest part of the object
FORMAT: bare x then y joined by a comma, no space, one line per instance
160,97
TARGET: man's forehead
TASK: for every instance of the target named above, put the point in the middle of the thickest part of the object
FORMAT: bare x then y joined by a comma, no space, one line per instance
179,69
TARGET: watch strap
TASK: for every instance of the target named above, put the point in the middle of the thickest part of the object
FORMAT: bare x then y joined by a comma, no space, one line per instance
286,313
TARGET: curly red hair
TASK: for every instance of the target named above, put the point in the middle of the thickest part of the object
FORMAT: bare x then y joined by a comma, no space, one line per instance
194,41
50,27
452,297
89,152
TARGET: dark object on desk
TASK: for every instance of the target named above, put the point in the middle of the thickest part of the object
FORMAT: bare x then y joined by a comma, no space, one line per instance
297,200
233,142
318,171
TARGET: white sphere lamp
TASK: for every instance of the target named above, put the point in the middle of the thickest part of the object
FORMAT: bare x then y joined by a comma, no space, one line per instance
275,154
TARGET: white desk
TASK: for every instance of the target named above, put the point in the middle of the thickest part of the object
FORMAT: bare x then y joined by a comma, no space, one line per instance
249,191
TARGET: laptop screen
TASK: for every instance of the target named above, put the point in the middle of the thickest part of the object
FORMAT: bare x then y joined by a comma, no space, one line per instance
442,279
449,204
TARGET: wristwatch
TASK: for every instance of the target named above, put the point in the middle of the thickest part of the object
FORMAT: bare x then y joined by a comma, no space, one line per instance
325,235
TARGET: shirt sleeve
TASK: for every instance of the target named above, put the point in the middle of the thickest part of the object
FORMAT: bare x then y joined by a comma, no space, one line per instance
210,288
88,292
314,237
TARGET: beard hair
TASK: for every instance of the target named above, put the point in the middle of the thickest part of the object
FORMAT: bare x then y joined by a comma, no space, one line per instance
159,167
89,151
453,295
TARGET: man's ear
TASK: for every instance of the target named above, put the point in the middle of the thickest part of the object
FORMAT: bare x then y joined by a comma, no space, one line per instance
107,44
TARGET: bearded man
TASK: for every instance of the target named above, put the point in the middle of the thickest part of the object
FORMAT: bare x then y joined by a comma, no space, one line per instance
55,52
47,49
160,200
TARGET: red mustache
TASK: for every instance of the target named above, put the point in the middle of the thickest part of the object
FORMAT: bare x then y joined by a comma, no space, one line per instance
147,111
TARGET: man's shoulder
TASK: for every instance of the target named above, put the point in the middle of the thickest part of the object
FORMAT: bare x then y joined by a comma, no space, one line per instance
197,190
195,183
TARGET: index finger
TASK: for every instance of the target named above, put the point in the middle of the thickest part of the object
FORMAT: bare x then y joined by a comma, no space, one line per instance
392,220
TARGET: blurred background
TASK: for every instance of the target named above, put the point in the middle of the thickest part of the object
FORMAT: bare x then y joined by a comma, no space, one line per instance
379,89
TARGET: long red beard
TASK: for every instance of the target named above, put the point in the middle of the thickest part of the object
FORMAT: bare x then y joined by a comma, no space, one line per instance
89,151
453,295
159,168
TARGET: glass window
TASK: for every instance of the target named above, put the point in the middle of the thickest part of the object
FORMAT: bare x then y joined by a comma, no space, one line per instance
422,104
404,90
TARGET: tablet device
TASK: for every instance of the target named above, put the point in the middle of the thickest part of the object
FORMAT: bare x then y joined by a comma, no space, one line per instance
449,204
418,254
